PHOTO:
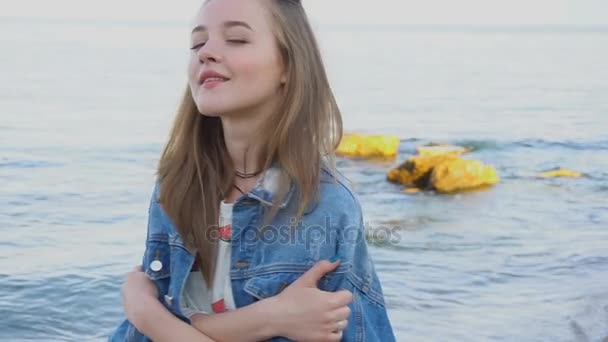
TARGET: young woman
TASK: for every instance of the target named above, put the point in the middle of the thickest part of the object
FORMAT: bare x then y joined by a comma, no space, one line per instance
252,234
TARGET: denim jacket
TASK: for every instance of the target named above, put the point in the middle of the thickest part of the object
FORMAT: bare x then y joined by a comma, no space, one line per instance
265,260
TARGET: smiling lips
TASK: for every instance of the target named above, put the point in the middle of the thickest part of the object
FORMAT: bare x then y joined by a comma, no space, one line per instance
211,79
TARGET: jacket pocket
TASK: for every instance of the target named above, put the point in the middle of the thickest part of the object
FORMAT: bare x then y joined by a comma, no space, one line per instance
157,258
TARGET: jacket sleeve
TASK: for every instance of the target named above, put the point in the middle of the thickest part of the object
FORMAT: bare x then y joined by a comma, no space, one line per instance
126,331
369,320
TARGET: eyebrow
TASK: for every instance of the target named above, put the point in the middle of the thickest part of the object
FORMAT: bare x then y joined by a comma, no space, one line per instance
226,25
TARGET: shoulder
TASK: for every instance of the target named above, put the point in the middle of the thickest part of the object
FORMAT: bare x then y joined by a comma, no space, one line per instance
158,220
335,185
337,197
155,197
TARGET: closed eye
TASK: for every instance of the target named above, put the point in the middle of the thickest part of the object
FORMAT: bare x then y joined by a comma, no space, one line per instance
197,46
237,41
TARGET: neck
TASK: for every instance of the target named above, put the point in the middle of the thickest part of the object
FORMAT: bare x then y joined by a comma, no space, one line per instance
241,135
242,145
243,142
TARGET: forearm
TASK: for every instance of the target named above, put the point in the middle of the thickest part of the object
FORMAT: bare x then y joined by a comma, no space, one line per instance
160,325
251,323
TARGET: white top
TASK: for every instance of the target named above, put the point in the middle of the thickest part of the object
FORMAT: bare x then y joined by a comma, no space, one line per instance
197,298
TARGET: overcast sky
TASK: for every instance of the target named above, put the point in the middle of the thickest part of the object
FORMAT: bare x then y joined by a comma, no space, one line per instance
442,12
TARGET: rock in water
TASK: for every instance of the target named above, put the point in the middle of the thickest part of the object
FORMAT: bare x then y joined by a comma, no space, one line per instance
368,146
441,149
416,170
560,173
461,174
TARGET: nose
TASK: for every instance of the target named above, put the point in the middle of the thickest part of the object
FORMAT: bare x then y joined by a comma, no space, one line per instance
209,53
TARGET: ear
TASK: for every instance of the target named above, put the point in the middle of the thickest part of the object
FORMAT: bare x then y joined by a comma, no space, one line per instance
283,78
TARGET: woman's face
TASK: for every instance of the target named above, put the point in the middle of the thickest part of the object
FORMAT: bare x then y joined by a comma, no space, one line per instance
235,65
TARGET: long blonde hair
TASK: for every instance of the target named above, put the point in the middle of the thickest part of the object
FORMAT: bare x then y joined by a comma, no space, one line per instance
195,172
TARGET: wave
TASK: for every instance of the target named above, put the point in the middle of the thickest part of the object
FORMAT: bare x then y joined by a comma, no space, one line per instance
484,145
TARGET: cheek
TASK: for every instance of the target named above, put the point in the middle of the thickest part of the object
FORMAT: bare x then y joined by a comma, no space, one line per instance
250,69
193,70
260,70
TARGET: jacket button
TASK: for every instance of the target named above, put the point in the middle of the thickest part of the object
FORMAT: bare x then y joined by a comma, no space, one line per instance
241,264
168,300
156,265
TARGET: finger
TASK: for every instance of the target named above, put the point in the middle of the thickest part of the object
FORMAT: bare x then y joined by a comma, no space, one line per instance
335,336
340,314
137,269
311,277
341,325
340,298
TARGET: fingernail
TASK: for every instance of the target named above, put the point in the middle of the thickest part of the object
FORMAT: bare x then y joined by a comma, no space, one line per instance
335,258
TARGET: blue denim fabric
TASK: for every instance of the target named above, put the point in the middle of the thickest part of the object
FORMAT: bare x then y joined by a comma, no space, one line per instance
267,259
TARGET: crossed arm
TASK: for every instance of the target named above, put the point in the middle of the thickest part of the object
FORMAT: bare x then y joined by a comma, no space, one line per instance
300,312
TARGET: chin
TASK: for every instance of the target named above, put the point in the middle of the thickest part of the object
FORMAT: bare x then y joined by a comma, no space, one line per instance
209,114
213,110
217,109
208,108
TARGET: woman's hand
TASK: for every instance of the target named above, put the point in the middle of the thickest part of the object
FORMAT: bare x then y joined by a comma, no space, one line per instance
302,312
137,290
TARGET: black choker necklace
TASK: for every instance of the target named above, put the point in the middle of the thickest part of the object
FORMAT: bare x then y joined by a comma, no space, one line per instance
239,189
246,175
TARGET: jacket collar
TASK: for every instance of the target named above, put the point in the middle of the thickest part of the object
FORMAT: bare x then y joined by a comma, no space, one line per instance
268,185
